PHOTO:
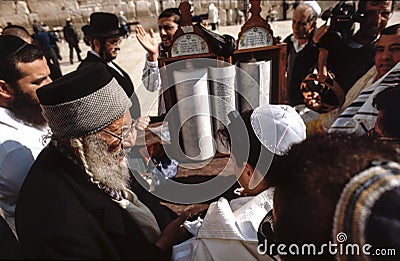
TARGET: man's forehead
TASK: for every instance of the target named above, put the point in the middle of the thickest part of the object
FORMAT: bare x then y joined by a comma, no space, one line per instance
30,67
303,11
387,39
374,5
113,38
166,21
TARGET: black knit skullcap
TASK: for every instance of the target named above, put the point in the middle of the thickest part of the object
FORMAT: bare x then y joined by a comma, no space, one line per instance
74,85
83,102
10,45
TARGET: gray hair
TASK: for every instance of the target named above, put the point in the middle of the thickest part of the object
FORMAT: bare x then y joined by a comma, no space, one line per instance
313,16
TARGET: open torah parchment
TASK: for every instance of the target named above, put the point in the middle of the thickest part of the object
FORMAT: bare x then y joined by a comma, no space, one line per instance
193,103
205,96
222,88
254,84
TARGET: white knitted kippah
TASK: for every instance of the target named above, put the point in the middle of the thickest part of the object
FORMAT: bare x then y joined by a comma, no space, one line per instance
314,5
278,127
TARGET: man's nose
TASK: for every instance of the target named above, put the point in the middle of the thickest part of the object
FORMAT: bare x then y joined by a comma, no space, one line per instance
162,31
387,54
130,140
47,80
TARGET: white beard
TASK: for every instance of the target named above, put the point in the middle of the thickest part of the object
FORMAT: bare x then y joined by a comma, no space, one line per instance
105,166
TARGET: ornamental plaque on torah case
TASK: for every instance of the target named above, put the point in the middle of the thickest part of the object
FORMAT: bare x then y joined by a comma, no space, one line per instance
256,32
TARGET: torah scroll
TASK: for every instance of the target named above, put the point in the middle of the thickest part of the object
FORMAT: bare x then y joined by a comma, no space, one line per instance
254,83
222,89
194,112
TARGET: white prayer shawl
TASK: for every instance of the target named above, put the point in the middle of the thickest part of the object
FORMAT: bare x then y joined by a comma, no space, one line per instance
229,231
360,116
367,114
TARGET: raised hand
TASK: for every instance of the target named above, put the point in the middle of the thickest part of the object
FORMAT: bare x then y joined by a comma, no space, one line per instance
148,41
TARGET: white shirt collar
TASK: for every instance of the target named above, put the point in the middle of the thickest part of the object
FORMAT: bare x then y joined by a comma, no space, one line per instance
8,118
296,45
109,63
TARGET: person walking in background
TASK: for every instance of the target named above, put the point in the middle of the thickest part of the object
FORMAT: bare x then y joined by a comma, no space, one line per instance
54,41
43,40
123,22
213,16
36,26
72,38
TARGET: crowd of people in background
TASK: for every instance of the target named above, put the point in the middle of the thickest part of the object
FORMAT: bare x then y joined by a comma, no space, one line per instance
66,189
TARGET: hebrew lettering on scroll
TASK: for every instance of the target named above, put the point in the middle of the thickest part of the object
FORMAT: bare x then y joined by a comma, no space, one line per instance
222,89
253,84
194,112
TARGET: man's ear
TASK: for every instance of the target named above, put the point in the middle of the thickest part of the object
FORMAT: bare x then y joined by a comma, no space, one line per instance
6,92
96,44
247,172
314,26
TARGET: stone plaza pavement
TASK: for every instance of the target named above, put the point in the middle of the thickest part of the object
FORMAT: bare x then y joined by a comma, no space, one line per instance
132,57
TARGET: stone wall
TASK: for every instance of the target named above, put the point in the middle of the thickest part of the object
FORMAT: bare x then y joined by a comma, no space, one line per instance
55,12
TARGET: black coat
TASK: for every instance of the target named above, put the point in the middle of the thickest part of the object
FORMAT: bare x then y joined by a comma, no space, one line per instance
303,63
60,214
9,248
125,81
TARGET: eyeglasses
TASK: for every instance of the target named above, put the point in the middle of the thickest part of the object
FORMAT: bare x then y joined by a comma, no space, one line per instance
114,42
384,14
126,131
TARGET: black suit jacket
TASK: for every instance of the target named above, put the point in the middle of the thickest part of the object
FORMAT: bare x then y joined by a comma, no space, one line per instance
9,248
298,67
60,214
125,81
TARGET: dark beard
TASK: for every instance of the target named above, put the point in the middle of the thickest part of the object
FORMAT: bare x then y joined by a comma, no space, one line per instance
27,109
104,55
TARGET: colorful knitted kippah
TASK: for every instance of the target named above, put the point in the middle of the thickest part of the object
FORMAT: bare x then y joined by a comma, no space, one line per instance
357,200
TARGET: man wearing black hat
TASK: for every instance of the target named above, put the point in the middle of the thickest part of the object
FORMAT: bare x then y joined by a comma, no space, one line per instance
104,35
74,203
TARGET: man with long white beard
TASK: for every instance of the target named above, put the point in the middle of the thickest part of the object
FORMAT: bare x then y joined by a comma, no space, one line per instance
23,69
75,202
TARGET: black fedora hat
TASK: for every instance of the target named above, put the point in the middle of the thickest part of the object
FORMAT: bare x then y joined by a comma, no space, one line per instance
104,25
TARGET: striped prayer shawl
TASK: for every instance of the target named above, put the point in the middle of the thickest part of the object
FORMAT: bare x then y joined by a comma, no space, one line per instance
360,116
